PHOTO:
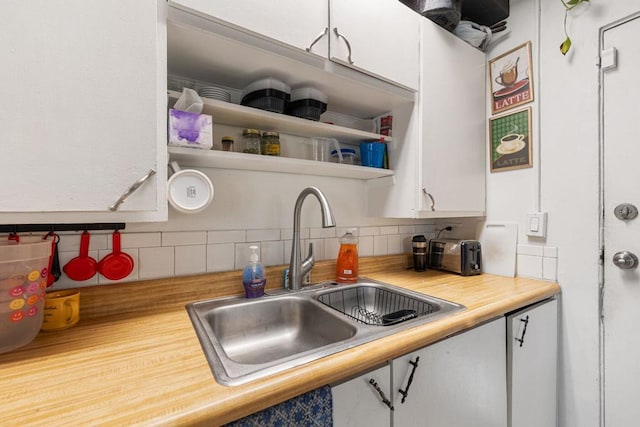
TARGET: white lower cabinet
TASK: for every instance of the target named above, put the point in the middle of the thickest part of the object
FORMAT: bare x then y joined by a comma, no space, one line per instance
358,403
460,381
532,343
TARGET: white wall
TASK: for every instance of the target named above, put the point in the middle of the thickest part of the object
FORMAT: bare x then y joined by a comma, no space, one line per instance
566,153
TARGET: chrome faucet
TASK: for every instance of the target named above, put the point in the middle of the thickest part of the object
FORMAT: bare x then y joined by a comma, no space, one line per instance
298,268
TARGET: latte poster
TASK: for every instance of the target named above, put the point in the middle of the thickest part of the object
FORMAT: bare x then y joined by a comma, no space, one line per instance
510,141
511,79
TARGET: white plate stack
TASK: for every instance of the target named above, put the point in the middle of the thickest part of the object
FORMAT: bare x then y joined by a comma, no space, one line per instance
213,92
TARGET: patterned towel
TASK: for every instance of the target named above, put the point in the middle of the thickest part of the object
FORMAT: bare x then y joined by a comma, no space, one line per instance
312,409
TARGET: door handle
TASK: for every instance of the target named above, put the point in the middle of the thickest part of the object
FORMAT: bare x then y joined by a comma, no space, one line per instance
405,392
625,260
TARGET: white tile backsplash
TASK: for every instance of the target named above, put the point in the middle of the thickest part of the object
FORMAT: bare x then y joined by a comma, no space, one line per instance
156,262
530,250
389,230
380,245
138,240
529,266
407,229
184,238
178,253
365,246
190,260
262,235
550,268
272,253
322,233
227,236
394,244
369,231
221,257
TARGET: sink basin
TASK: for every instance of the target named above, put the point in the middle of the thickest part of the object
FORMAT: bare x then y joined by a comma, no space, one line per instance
273,328
246,339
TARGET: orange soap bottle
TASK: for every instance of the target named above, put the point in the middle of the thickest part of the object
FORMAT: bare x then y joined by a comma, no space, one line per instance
347,265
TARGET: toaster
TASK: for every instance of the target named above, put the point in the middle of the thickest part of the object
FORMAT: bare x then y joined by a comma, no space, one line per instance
458,256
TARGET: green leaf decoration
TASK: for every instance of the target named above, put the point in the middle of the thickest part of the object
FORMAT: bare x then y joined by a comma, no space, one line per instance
565,46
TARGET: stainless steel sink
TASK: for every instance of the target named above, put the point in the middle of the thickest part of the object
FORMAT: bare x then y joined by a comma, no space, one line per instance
246,339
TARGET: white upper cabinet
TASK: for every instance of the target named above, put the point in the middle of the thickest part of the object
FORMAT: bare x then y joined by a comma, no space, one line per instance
452,130
294,22
83,110
440,166
378,38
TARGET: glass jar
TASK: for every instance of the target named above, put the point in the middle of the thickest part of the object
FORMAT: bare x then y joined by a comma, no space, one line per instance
227,143
270,144
251,141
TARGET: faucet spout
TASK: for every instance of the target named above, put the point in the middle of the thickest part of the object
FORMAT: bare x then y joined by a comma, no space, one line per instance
298,268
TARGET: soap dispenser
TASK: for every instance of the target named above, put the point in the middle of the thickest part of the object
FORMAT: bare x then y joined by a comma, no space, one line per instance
347,264
253,277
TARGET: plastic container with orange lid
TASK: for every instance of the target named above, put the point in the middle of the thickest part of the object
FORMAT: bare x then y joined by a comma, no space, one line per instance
23,280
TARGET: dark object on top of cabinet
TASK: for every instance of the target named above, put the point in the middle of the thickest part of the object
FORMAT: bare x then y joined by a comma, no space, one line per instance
445,13
485,12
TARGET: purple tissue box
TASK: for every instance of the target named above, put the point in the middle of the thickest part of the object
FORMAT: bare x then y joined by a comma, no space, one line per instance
190,129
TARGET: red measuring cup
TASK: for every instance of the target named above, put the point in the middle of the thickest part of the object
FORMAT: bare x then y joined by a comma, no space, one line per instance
117,265
82,267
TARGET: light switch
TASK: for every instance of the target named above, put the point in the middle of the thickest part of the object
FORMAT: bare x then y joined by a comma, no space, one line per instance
537,224
609,59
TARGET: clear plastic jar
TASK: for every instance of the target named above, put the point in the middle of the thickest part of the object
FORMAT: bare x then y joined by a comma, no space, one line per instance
251,141
270,144
227,143
348,156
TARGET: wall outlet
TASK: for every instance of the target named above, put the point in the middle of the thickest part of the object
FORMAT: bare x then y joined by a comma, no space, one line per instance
536,224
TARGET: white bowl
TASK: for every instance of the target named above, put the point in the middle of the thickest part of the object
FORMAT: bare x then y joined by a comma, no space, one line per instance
189,191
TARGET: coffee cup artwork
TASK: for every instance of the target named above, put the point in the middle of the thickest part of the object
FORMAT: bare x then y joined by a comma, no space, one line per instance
61,310
511,79
509,74
510,141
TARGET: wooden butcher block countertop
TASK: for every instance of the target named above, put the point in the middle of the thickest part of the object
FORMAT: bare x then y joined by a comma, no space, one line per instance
134,358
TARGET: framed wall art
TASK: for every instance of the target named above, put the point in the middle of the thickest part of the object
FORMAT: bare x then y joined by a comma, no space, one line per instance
510,141
511,79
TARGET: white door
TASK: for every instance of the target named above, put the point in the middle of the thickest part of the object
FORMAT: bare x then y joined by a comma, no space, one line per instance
621,175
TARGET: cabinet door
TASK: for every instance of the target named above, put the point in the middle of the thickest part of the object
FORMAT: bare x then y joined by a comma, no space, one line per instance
532,348
83,111
294,22
383,36
356,403
460,381
452,128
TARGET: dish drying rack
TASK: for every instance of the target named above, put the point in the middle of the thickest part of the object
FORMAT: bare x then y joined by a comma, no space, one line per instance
377,307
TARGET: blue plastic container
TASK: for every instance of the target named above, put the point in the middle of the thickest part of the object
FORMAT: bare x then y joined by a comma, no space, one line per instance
372,154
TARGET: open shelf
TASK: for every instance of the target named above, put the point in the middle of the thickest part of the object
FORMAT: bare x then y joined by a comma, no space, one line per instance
227,113
191,157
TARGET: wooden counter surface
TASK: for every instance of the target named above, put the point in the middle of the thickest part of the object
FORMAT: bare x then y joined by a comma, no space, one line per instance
134,358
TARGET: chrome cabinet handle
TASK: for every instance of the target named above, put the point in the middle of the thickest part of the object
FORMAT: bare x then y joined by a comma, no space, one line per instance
131,190
317,39
335,30
386,401
433,202
405,392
